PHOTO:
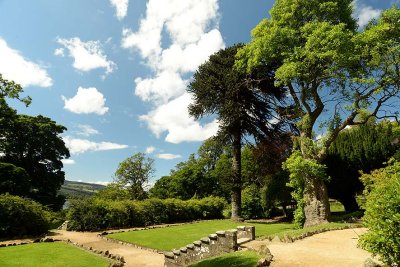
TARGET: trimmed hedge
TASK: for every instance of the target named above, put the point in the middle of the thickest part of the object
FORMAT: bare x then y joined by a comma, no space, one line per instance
21,217
96,214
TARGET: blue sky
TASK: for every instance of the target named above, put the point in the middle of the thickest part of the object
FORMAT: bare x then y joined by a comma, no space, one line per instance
114,72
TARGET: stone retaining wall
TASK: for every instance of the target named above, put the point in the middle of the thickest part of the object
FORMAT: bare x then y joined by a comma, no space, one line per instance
215,244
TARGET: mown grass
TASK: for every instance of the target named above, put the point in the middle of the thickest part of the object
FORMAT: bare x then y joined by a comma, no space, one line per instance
237,259
49,255
174,237
168,238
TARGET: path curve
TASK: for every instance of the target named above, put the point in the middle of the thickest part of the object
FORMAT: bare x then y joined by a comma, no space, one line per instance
134,257
328,249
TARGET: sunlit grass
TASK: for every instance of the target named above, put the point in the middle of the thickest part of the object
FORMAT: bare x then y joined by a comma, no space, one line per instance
49,255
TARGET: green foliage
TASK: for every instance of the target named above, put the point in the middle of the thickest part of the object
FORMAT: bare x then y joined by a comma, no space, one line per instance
113,192
198,177
251,203
20,217
323,59
14,180
10,89
134,173
382,215
301,169
97,214
361,148
275,192
35,144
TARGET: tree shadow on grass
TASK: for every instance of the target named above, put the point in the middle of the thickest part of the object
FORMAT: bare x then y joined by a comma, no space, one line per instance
230,260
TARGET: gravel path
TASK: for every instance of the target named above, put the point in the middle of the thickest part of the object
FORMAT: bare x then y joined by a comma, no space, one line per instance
134,257
329,249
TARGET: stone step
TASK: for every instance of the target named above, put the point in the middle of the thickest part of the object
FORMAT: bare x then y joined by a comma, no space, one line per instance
241,241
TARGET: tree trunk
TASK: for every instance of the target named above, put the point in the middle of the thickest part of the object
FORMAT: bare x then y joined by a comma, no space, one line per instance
349,203
236,193
316,202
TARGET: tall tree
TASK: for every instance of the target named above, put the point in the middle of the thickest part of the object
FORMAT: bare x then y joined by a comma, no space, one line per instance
334,75
242,103
134,173
35,144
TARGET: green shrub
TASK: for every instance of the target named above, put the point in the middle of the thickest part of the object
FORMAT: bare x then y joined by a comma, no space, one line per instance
96,214
382,215
251,203
20,217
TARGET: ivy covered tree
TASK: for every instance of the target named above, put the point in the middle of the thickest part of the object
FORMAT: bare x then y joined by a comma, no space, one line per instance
336,76
242,103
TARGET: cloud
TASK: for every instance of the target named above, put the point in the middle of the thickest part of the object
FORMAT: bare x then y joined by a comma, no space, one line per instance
168,156
95,182
14,66
87,55
78,146
121,8
68,161
365,13
59,52
150,149
86,130
86,100
173,117
194,35
160,89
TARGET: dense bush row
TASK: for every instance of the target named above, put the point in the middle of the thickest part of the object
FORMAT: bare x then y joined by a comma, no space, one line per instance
97,214
20,216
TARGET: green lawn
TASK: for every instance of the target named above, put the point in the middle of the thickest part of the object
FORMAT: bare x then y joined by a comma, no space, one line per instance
237,259
56,254
168,238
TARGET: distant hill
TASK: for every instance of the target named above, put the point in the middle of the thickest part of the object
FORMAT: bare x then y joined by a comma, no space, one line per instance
73,188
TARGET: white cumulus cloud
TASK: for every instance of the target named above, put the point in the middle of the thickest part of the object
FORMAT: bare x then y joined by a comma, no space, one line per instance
150,149
173,117
86,100
86,130
78,146
364,13
168,156
14,66
87,55
194,35
121,7
68,161
59,52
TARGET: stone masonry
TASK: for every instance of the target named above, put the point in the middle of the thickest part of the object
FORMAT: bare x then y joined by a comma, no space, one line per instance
215,244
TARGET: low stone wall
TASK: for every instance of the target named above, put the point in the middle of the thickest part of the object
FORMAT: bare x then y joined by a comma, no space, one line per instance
215,244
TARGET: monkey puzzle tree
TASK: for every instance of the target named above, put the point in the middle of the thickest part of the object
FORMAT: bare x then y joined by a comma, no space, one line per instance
336,76
242,103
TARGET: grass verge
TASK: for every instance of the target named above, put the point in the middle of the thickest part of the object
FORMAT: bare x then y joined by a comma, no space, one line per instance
49,255
237,259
